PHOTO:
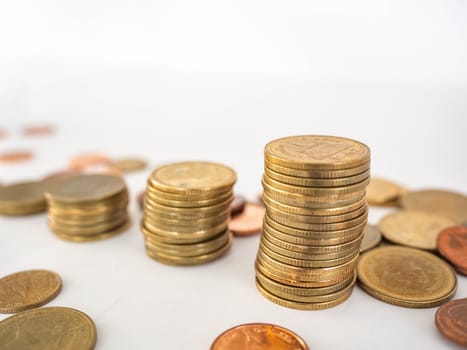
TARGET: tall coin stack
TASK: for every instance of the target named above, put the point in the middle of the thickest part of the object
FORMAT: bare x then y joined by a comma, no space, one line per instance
186,212
314,193
87,207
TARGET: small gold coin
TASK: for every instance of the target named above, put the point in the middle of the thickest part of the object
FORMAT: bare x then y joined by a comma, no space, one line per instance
406,276
27,290
414,228
384,192
371,238
22,198
51,328
446,203
127,165
317,173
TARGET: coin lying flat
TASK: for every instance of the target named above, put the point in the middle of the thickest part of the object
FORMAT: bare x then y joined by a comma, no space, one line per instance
87,159
406,277
38,130
22,198
237,205
28,289
452,245
451,320
371,238
15,156
127,165
384,192
48,328
259,336
414,228
249,221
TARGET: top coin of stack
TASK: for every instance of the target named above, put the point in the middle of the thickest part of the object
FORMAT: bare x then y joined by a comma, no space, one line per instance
186,212
314,193
87,207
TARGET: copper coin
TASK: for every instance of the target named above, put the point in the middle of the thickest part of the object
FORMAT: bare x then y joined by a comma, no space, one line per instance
237,205
15,156
451,320
87,159
259,336
452,245
140,199
38,130
3,133
249,222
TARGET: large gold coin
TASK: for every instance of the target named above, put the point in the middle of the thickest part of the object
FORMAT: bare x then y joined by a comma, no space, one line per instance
22,198
414,228
449,204
85,188
406,276
28,289
371,238
48,328
318,174
317,152
384,192
193,178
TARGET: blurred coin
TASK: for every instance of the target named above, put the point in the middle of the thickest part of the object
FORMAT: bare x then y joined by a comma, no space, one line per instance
87,159
3,133
452,245
371,238
140,199
22,198
451,320
384,192
237,205
38,130
15,156
127,165
249,221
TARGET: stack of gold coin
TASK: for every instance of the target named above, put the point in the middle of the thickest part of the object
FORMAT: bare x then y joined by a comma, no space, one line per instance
186,212
314,193
87,207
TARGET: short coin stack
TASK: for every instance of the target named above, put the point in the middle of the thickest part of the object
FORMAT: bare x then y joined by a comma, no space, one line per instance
314,193
87,207
186,212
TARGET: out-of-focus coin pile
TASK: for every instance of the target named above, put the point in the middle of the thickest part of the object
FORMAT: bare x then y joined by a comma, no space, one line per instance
186,212
314,193
87,207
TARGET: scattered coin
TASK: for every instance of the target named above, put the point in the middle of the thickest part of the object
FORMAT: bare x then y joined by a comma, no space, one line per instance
415,229
3,133
105,169
51,328
140,199
83,160
38,130
127,165
237,205
22,198
248,222
446,203
27,290
384,192
451,320
15,156
452,245
371,238
406,277
259,336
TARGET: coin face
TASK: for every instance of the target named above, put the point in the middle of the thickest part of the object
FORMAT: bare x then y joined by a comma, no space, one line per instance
258,336
414,228
249,221
383,192
371,238
449,204
28,289
451,320
51,328
189,177
406,276
318,152
452,245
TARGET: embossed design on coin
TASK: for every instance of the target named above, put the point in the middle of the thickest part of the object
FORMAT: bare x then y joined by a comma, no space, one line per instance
27,290
451,320
452,245
258,336
51,328
249,221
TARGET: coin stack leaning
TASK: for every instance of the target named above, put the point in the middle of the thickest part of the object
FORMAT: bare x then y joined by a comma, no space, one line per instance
186,212
87,207
314,193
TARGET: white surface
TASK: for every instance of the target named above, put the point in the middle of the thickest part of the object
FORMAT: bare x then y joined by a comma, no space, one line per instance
205,80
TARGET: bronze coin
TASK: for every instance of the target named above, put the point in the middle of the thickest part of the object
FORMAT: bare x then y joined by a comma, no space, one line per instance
38,130
451,320
3,133
140,199
452,245
15,156
237,205
87,159
260,336
249,222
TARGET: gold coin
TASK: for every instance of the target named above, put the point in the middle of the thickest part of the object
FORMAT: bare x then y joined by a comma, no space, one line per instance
193,260
127,165
158,194
414,228
87,229
185,215
94,237
371,238
117,201
189,211
317,152
316,173
51,328
185,225
22,198
312,182
383,192
27,290
81,221
174,237
411,276
193,178
300,305
85,188
449,204
182,202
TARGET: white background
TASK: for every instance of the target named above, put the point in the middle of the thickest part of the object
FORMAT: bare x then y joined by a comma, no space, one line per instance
216,80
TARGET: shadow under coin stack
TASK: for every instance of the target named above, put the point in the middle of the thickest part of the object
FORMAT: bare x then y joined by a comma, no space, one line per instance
314,193
87,207
186,212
